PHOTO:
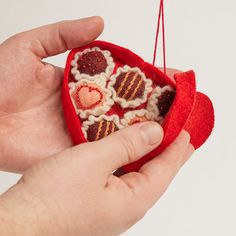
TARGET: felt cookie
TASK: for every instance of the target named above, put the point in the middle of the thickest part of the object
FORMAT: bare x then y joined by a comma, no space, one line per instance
92,62
160,102
137,116
90,98
125,90
130,87
96,128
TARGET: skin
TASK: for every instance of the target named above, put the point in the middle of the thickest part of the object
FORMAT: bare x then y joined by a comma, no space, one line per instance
31,120
73,191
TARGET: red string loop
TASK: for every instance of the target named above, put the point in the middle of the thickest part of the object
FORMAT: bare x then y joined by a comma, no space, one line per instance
161,18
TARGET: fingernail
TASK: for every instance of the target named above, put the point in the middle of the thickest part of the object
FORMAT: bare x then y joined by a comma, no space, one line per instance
151,132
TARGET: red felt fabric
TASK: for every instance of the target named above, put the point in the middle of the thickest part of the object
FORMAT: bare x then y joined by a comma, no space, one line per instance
190,110
72,121
201,121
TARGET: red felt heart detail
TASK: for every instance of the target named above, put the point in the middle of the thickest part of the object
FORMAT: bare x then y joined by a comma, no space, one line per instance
190,110
88,96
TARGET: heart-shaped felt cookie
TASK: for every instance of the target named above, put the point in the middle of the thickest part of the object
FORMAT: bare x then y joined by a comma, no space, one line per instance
88,96
107,87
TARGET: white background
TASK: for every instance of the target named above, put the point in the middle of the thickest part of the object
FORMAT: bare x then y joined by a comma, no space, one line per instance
201,36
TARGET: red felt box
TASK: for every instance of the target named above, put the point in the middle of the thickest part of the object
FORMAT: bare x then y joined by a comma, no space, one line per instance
190,110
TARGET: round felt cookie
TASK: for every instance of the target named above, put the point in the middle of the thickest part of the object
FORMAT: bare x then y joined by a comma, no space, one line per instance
165,101
130,87
137,116
160,101
92,62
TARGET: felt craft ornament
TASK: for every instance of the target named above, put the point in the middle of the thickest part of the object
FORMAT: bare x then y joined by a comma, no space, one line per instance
107,88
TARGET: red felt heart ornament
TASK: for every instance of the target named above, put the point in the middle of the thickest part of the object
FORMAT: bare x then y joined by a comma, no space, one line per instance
134,90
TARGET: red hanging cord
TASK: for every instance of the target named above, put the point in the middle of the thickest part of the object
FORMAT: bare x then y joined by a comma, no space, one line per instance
163,37
161,17
157,33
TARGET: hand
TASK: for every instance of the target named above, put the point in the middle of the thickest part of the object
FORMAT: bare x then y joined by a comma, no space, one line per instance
31,120
74,192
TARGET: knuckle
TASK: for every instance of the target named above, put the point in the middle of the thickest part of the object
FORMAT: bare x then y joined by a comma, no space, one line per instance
138,182
128,146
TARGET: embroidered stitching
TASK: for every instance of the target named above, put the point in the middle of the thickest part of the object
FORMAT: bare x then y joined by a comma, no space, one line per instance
136,116
87,106
112,121
129,101
152,105
104,74
94,94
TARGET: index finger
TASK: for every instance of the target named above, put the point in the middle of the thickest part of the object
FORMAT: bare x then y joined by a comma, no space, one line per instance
155,176
161,170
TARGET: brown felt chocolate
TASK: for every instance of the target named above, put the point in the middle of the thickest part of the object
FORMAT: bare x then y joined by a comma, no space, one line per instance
92,63
101,129
123,88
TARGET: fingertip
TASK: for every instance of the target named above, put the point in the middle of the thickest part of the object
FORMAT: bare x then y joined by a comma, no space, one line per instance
173,155
96,21
65,35
89,29
183,137
100,23
171,71
129,144
186,133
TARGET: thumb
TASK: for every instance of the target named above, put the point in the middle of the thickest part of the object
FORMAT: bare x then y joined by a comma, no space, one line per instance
59,37
127,145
